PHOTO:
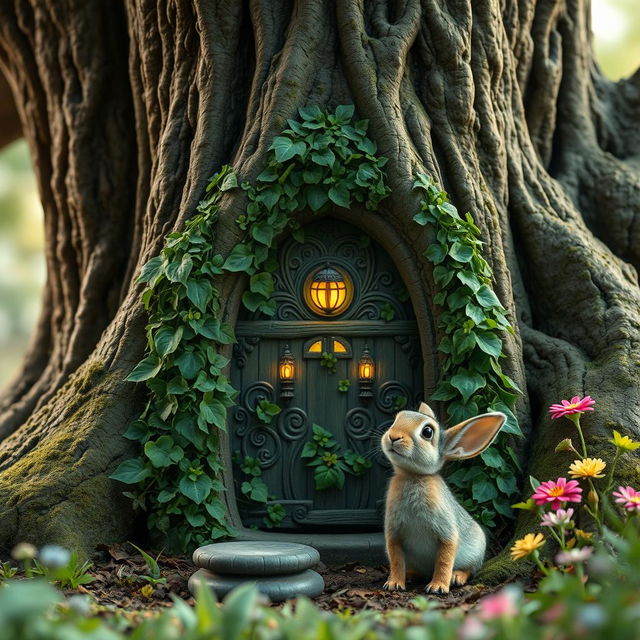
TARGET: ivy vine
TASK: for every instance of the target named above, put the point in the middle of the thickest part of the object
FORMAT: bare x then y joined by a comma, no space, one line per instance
472,379
322,160
255,490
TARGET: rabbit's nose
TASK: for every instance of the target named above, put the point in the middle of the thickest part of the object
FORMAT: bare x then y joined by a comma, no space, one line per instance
395,439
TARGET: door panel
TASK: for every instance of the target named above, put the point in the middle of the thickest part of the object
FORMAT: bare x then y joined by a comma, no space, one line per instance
356,423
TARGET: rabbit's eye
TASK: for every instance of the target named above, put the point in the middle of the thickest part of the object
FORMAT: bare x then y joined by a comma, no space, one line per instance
427,432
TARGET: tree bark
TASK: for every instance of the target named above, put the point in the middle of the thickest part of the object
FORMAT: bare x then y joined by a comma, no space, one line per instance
10,129
129,108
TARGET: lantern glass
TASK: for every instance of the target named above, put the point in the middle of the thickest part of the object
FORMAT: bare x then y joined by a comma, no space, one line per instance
366,366
328,291
286,370
366,370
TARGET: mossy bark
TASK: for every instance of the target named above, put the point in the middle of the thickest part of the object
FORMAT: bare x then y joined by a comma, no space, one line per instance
128,110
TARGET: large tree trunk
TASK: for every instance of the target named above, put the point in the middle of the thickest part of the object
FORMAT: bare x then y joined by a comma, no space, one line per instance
129,109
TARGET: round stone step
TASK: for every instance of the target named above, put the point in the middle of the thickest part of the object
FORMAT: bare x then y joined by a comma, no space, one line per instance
256,558
278,588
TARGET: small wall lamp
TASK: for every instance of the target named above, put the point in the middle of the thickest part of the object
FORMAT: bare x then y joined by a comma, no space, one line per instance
366,374
286,370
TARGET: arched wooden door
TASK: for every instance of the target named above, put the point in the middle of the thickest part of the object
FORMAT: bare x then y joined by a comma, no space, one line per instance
376,315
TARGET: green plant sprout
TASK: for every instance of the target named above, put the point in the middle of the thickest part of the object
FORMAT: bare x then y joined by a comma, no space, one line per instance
267,411
329,463
329,362
154,576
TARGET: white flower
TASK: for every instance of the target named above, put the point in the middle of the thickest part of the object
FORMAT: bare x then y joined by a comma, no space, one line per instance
558,518
574,555
54,557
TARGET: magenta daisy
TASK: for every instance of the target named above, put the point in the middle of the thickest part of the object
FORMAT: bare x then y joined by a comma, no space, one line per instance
569,407
628,497
556,492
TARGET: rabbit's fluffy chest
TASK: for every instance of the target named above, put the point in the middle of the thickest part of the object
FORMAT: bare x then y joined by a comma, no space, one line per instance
419,516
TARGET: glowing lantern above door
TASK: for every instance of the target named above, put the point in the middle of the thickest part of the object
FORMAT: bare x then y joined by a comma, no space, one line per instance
328,291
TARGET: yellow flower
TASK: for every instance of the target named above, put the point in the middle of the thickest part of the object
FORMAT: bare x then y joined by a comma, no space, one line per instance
624,442
523,547
587,468
583,535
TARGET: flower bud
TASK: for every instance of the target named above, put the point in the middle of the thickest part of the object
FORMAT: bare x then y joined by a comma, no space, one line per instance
79,604
593,499
24,551
564,445
54,557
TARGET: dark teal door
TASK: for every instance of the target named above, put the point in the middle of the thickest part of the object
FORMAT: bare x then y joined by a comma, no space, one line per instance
378,317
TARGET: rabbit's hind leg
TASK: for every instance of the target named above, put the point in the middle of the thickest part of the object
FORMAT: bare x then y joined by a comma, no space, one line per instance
459,578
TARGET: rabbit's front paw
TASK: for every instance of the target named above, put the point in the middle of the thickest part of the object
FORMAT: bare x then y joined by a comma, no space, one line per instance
393,585
438,587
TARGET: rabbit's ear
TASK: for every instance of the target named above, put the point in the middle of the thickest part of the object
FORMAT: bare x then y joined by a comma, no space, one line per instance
427,410
473,436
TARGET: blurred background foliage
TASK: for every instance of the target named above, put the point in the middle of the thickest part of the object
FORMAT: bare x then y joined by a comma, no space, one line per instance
616,30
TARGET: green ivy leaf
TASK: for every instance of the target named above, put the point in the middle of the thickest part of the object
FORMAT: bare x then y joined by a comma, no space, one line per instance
285,148
167,339
344,112
484,491
435,253
270,174
475,313
263,233
137,431
179,271
213,412
163,452
252,301
486,297
230,182
339,194
309,450
262,283
461,252
145,369
317,197
240,258
327,477
190,363
197,490
131,471
442,275
216,509
324,157
199,292
492,458
489,343
467,383
152,270
470,279
310,113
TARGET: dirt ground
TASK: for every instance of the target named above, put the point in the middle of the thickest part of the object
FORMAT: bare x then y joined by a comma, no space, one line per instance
118,583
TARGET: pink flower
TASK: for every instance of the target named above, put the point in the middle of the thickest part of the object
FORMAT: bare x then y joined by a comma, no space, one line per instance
628,497
560,518
499,605
557,492
574,555
575,405
471,629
